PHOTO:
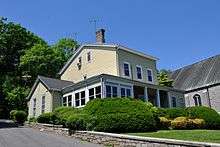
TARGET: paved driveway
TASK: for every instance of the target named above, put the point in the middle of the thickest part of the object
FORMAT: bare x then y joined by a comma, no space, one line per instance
13,136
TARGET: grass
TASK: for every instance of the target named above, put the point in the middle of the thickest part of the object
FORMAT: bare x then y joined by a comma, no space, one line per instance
191,135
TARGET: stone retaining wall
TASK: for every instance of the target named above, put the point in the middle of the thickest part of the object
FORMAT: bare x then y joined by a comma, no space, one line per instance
121,140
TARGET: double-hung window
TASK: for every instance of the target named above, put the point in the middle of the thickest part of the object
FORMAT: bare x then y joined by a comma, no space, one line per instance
43,104
111,91
70,100
125,92
174,102
126,69
95,93
149,75
34,107
139,72
80,99
64,101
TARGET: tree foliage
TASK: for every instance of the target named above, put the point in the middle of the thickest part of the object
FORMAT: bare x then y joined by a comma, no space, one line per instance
163,78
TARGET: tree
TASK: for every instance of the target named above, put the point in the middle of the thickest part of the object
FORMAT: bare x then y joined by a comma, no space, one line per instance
67,45
47,60
163,78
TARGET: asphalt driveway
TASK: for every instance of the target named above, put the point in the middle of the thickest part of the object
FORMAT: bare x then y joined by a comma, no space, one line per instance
13,136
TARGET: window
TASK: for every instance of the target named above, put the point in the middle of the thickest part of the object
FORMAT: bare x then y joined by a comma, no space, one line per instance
79,64
89,56
91,94
77,99
139,72
98,92
80,99
173,102
197,100
64,101
111,91
34,106
43,104
83,100
70,100
149,75
126,69
125,92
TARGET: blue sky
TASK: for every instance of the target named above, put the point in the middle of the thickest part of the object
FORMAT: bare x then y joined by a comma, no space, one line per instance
178,32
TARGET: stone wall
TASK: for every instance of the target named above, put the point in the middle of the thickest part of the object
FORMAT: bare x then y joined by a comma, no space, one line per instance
118,140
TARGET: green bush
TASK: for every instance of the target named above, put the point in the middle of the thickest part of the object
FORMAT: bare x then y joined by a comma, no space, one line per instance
63,113
77,122
20,116
32,119
164,123
120,115
48,118
196,123
12,114
211,117
175,112
161,112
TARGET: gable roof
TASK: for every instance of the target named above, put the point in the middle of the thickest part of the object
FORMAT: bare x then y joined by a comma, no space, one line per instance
50,83
201,74
115,46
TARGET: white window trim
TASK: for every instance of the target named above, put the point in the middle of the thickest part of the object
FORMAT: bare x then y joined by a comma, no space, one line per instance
151,75
141,72
43,104
129,67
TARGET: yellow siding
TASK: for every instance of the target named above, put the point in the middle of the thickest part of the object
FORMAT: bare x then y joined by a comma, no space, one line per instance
134,60
38,93
103,61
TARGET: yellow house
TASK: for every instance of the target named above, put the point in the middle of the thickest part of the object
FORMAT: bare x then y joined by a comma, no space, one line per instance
106,70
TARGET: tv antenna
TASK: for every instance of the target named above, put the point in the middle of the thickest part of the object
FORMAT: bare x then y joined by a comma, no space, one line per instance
94,22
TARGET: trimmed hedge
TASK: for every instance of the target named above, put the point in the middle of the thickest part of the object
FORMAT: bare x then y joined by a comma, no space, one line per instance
77,122
211,117
48,118
18,115
121,115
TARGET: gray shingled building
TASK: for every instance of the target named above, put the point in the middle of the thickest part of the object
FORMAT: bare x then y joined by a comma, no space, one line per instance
201,82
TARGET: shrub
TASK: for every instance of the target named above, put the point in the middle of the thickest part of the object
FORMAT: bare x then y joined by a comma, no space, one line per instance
161,112
12,114
77,122
63,113
175,112
32,119
196,123
210,116
179,123
48,118
164,123
20,116
120,115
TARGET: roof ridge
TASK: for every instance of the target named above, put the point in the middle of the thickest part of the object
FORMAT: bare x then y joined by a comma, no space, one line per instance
196,62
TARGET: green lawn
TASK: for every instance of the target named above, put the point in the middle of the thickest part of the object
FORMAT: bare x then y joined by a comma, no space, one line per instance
192,135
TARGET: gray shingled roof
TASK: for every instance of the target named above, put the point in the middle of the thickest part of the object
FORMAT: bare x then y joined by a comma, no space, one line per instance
54,84
50,84
197,75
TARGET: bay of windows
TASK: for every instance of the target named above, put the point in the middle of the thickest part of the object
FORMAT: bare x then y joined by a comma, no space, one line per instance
95,93
80,99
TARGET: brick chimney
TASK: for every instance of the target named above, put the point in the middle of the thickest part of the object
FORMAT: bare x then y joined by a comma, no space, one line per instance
100,36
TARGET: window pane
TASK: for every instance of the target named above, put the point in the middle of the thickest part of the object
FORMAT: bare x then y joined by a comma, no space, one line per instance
43,104
173,101
199,100
108,91
64,101
139,76
149,75
128,92
122,92
70,100
88,56
126,69
82,98
77,99
91,94
98,92
115,91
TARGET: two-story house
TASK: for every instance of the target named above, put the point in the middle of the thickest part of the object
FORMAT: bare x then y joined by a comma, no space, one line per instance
102,70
